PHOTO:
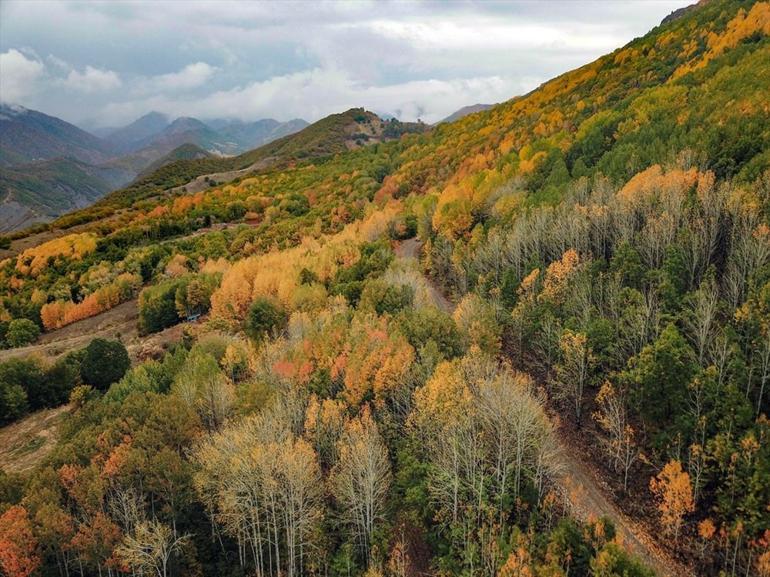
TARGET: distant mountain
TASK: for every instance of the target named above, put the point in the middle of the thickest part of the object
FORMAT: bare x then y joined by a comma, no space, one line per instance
248,135
131,137
28,136
334,134
229,138
40,191
465,111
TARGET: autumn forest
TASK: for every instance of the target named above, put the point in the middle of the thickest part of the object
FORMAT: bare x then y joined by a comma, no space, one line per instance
532,342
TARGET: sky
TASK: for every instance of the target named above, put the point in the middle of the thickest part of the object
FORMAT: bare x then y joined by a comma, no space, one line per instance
102,64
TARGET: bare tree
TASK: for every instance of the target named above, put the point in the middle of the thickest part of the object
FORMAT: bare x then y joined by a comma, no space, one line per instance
150,547
612,416
263,486
573,371
361,478
701,320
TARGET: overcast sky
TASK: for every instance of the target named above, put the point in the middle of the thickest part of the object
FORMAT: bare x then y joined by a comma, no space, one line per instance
106,63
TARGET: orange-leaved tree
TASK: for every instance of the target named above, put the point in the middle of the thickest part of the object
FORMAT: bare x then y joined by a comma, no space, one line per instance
673,491
18,546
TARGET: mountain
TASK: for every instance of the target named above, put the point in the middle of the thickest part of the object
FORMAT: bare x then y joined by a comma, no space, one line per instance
335,134
465,111
41,191
187,151
129,138
34,146
248,135
28,136
219,138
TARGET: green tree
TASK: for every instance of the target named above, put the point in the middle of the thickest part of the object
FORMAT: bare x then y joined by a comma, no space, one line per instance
265,318
659,376
105,362
22,332
28,374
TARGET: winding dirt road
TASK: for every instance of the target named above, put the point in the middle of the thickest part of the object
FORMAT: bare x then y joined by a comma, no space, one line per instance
580,484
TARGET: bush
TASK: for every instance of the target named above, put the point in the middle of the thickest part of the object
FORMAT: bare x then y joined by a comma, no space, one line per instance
22,332
266,317
105,362
13,402
386,298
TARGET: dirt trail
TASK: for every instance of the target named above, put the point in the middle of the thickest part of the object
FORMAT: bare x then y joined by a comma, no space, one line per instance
581,485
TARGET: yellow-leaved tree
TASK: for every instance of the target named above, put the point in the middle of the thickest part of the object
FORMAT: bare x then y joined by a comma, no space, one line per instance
673,491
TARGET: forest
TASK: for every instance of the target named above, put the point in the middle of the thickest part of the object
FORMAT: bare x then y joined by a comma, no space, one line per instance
390,354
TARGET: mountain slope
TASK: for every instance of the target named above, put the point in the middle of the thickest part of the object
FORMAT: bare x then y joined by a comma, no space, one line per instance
465,111
28,135
41,191
606,240
187,151
130,137
335,134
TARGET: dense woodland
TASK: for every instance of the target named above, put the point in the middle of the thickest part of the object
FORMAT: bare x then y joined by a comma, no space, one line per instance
605,244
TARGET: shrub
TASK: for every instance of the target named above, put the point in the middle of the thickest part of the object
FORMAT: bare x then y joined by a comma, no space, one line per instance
386,298
22,332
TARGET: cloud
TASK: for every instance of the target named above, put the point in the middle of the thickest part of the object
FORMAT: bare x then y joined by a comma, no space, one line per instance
92,80
19,76
316,93
191,76
216,58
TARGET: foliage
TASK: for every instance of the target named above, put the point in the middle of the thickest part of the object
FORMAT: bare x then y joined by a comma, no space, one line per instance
265,318
105,362
21,332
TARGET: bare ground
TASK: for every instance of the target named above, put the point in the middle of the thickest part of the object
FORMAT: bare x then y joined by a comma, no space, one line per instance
583,489
27,442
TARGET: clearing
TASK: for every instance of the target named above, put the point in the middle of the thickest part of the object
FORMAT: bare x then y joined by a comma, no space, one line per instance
25,443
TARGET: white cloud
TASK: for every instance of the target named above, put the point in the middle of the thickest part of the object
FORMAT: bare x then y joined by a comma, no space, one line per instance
269,59
313,94
191,76
18,76
93,80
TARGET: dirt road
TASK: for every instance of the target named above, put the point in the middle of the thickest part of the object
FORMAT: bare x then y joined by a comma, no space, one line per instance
580,485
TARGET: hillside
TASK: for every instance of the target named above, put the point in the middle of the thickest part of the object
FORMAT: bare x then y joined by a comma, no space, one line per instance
188,151
534,341
41,191
28,135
